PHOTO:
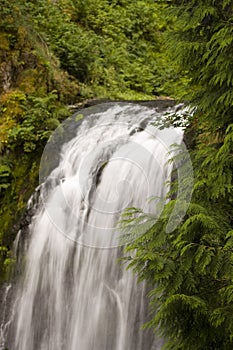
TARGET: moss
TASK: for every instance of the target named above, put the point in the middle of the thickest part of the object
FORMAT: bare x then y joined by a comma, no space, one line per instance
11,111
4,41
13,205
28,80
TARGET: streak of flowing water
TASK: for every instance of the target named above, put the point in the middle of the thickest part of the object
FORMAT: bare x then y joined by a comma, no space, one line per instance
74,294
4,323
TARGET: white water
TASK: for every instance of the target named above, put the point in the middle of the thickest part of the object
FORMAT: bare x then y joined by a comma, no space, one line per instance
74,294
4,322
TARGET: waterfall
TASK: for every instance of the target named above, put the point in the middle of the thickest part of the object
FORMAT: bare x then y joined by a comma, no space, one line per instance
74,293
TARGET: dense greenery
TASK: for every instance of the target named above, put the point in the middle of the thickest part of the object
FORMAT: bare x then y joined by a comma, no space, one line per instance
112,48
192,266
54,53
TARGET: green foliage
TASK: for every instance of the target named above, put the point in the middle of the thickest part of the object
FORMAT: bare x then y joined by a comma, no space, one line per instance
53,52
202,44
21,182
58,52
112,48
25,125
32,93
40,117
5,174
190,269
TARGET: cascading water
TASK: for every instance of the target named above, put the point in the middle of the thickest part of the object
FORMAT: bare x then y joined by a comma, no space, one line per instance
74,294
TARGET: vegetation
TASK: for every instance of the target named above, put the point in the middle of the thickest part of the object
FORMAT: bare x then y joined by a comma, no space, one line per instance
192,266
54,53
112,48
